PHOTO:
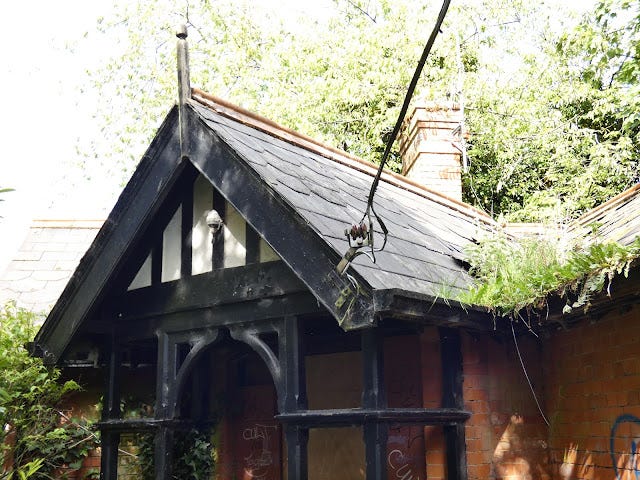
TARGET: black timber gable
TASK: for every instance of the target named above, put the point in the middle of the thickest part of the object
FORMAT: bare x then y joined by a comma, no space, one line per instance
134,211
299,201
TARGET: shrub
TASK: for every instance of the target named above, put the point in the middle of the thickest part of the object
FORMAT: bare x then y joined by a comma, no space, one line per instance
36,441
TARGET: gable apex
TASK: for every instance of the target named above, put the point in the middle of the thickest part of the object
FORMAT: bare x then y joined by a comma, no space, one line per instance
298,198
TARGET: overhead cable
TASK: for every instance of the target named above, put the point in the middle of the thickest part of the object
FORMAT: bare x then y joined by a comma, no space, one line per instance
360,236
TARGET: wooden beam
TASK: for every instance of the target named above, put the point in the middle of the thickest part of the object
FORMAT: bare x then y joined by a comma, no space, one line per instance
427,310
374,397
359,416
243,313
217,254
291,354
452,397
163,453
218,287
252,244
111,411
186,229
157,248
150,184
306,253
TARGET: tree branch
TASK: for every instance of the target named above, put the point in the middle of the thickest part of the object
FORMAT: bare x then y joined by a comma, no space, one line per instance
364,12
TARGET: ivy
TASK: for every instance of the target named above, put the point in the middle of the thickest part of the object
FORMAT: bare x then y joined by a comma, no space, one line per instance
193,454
515,275
36,441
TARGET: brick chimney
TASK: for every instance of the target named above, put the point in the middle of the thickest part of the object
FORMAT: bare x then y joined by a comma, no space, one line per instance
430,149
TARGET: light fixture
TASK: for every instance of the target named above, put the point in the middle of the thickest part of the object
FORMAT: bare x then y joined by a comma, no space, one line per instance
214,221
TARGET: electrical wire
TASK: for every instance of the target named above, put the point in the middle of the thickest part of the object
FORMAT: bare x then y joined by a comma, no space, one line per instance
407,99
526,375
461,100
353,251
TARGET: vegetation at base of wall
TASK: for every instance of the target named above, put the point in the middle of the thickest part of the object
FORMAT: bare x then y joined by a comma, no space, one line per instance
515,275
193,455
36,441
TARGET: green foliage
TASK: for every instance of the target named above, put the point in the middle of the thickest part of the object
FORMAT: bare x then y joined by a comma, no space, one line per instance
521,275
193,455
33,433
547,141
343,85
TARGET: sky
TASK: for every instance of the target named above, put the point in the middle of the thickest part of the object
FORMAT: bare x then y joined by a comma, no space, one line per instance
45,111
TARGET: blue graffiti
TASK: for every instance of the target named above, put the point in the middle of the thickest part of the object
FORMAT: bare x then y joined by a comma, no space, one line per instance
634,445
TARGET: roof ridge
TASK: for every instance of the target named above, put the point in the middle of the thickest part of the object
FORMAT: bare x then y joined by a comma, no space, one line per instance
89,223
240,114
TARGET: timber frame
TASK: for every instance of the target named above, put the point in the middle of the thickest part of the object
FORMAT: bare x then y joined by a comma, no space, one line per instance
282,310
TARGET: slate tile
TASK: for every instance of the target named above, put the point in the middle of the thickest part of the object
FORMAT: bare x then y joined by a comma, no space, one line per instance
425,236
293,197
292,182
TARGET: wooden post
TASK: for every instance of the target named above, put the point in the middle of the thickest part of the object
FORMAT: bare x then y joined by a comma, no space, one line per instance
164,406
374,397
291,350
452,397
184,87
111,411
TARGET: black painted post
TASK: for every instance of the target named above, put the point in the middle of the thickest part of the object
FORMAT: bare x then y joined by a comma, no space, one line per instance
291,354
217,239
165,388
163,453
199,393
374,397
111,411
452,397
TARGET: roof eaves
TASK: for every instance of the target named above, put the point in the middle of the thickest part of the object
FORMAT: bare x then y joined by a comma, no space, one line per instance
431,310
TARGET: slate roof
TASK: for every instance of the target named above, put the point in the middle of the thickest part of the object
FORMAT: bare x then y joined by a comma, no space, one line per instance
304,196
45,261
427,232
617,219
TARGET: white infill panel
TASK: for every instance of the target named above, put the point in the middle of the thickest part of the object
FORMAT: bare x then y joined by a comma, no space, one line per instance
235,238
201,234
171,245
267,254
143,277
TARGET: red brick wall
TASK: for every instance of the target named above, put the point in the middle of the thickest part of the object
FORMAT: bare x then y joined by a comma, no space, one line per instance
432,398
588,382
505,436
593,394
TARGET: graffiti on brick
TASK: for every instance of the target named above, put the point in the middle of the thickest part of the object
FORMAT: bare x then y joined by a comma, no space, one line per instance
625,465
401,466
257,463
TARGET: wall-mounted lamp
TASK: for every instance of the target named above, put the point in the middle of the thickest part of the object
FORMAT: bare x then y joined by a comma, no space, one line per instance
214,221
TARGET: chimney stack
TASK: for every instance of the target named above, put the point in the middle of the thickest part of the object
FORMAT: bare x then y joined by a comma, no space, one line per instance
430,147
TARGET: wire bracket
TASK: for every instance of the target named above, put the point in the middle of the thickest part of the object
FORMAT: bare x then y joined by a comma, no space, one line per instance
358,236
